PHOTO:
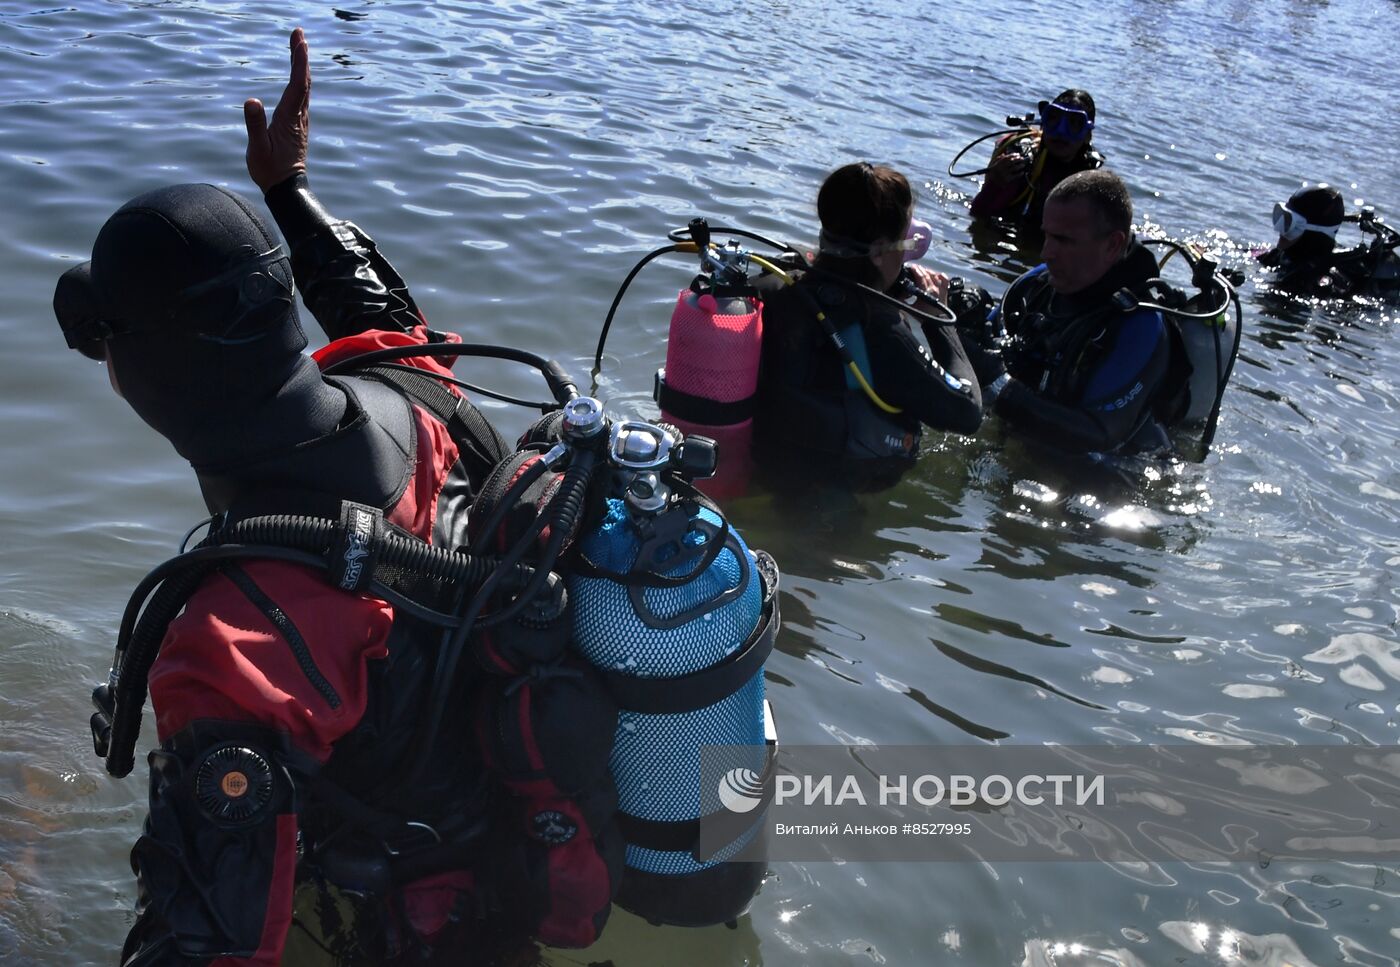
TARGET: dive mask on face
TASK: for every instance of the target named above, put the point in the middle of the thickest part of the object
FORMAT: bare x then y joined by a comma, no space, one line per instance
87,325
1063,121
1291,226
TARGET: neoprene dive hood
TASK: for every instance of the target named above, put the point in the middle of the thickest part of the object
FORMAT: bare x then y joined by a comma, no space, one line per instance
1319,204
189,295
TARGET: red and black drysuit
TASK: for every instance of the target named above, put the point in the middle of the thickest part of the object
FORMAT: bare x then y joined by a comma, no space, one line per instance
287,709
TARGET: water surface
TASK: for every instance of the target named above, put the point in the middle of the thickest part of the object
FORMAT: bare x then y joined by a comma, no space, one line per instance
515,159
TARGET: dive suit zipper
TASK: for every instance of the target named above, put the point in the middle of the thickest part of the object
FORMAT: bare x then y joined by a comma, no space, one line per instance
289,633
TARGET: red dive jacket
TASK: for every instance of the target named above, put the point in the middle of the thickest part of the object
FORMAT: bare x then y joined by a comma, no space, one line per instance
225,659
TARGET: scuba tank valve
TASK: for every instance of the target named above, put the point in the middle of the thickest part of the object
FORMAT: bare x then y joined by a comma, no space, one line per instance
713,347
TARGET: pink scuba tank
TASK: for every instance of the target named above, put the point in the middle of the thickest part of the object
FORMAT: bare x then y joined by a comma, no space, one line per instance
707,387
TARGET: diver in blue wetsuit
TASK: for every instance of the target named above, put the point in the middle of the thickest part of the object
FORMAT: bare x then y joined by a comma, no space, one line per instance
1069,357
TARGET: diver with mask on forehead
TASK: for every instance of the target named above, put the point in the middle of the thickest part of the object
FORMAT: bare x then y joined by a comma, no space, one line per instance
1026,165
844,378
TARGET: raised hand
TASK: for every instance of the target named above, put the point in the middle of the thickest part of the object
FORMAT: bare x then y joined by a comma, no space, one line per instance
278,151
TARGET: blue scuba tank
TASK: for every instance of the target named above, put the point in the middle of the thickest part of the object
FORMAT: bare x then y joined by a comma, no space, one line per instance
678,615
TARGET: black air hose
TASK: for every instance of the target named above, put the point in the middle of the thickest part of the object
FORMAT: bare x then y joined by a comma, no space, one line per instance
316,534
296,540
133,664
564,518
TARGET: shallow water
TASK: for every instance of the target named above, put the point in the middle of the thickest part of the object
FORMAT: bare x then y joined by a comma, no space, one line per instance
514,160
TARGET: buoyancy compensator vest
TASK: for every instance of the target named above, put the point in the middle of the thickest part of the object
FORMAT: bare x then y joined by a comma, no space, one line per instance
839,422
679,615
1203,335
543,720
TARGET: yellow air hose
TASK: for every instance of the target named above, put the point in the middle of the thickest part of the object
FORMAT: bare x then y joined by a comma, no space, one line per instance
1036,167
841,346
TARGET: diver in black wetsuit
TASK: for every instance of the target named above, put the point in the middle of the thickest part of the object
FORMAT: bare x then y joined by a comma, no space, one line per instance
809,398
1072,365
1305,258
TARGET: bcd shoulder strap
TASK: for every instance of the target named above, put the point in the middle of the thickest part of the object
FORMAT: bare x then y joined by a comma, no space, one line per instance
481,446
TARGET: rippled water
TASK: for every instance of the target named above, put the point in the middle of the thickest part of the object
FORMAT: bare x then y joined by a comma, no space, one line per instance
515,160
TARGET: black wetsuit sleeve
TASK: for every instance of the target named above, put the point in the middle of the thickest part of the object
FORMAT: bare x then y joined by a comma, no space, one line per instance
940,392
348,286
949,352
1116,401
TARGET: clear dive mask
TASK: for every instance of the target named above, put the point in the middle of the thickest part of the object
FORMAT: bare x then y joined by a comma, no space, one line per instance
1291,226
914,244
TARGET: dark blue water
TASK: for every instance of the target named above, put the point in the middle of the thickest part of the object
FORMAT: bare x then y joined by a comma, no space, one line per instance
515,159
